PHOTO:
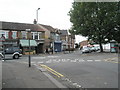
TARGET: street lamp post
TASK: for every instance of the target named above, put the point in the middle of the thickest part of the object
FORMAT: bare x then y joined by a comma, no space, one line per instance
29,57
37,14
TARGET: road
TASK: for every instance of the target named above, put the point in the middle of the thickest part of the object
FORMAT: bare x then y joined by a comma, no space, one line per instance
90,70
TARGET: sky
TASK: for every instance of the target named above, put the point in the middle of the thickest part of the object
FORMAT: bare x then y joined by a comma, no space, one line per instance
52,12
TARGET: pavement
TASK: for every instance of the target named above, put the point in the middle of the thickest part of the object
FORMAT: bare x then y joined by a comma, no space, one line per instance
18,75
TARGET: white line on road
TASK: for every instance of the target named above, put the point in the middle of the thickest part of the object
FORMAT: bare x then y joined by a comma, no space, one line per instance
89,60
38,57
81,60
41,62
52,56
97,60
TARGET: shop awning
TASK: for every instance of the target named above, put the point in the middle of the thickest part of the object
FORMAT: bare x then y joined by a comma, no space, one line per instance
25,43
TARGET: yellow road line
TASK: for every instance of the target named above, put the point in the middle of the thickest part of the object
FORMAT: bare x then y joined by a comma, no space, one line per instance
52,71
112,61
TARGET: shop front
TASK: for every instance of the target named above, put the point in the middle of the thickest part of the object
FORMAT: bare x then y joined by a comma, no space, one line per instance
58,46
24,45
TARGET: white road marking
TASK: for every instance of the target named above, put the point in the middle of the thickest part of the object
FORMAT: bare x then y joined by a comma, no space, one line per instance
33,62
89,60
38,57
97,60
81,60
64,60
47,62
52,56
55,60
73,60
41,62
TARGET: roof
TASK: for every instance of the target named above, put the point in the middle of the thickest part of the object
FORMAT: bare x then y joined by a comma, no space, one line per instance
64,32
20,26
50,28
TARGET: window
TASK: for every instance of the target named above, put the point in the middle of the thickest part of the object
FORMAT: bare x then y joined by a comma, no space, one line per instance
57,37
39,35
24,35
1,32
36,35
5,33
32,35
14,34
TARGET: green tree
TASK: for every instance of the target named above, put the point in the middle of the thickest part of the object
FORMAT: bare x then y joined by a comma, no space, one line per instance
96,20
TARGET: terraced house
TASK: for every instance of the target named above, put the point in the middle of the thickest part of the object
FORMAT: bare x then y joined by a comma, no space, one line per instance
15,35
41,37
52,38
68,40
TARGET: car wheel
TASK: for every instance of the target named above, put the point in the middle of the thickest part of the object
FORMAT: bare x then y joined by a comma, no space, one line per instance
16,56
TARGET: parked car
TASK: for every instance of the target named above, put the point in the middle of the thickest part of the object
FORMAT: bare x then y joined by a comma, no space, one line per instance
11,52
97,48
86,50
92,49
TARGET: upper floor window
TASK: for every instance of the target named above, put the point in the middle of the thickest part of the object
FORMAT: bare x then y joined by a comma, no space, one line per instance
24,35
5,33
57,37
36,35
14,34
39,35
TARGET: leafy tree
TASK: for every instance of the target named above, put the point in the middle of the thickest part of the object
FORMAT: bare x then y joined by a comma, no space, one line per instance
96,20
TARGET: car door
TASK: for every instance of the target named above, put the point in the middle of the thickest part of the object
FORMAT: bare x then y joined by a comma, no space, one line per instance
8,52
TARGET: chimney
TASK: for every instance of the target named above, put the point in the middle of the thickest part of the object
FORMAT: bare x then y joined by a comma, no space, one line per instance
35,22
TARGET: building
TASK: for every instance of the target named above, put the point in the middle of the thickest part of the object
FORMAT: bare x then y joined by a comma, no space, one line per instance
64,38
68,41
57,41
52,38
16,35
71,41
84,43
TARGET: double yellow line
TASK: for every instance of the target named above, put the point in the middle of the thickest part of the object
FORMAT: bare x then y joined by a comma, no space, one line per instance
112,60
52,71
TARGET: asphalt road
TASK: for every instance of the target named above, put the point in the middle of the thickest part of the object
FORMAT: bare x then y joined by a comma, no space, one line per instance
90,70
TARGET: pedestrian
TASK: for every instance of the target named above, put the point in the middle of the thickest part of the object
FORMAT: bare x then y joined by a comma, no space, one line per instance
51,49
47,51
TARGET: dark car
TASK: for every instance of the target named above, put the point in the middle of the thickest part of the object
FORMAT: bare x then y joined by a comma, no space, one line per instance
11,52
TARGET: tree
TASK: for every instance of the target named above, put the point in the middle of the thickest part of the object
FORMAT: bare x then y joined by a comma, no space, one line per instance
96,20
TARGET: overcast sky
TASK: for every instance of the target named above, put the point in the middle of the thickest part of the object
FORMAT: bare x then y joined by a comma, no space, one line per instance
52,12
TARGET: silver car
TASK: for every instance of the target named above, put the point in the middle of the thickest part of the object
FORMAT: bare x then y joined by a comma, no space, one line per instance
11,52
86,50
